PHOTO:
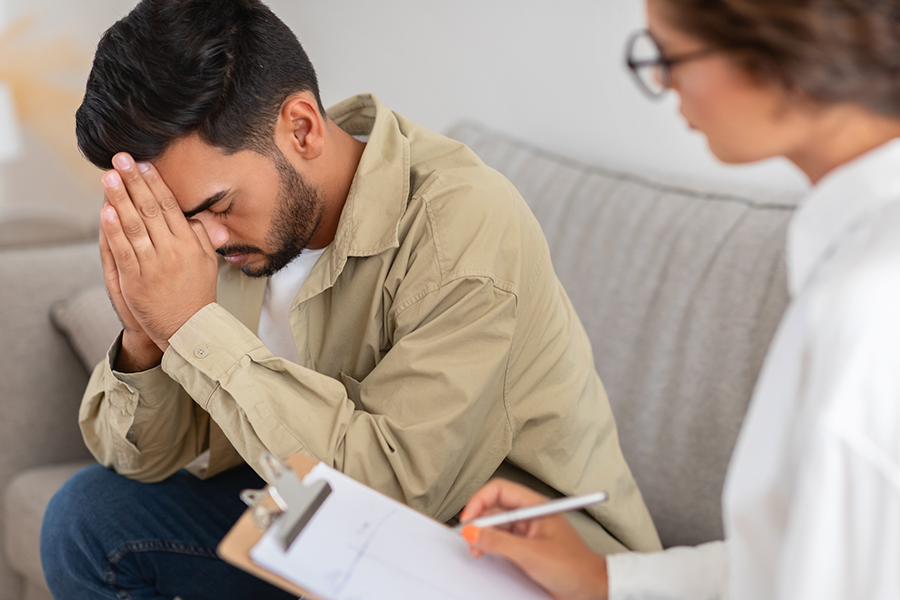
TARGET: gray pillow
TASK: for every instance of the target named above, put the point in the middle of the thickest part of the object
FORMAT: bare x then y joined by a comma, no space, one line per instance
89,323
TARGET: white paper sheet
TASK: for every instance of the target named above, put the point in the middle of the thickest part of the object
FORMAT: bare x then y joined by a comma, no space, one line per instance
362,545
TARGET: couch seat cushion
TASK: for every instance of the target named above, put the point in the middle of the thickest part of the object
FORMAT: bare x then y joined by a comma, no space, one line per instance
27,498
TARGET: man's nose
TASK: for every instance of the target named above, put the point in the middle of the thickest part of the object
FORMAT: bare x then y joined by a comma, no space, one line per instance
218,233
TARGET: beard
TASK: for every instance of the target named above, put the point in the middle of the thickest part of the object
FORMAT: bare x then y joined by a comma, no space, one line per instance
299,212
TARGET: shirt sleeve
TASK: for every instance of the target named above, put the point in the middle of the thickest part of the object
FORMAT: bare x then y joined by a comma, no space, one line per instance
679,573
143,425
426,424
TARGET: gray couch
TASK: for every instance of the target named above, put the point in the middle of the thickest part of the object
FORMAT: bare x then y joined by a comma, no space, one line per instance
679,290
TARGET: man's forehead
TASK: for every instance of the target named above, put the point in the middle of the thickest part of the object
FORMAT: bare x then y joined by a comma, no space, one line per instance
194,170
190,150
199,173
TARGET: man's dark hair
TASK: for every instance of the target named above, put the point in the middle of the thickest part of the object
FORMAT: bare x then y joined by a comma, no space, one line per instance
170,68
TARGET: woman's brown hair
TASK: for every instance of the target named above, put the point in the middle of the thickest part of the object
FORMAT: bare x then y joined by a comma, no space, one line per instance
830,51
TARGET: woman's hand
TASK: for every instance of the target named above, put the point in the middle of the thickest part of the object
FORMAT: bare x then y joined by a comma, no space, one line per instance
548,550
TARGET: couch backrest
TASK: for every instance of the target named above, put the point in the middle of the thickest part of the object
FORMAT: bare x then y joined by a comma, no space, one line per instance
680,292
41,379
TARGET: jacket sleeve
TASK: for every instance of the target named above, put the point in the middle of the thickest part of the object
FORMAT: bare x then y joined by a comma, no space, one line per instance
679,573
426,426
143,425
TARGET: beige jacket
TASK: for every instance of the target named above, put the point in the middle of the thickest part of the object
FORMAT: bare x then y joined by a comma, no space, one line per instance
435,343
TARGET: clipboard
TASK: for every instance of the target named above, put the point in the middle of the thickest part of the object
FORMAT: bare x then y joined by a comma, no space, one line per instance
360,543
235,546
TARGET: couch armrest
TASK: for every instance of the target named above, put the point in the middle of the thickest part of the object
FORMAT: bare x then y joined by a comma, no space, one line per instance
41,380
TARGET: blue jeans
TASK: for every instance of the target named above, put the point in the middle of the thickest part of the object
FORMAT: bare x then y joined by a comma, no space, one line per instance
106,536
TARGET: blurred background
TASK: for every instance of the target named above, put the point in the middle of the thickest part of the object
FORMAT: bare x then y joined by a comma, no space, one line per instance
551,74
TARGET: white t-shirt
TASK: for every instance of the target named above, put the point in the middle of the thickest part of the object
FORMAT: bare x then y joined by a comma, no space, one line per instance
811,505
281,289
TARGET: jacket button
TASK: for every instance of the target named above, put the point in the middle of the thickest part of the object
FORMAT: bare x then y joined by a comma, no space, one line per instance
201,351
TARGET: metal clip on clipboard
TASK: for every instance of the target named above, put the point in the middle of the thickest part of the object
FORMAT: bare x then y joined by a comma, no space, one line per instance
295,502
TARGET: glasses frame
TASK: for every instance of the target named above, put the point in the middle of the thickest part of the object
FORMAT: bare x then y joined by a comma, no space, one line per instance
662,62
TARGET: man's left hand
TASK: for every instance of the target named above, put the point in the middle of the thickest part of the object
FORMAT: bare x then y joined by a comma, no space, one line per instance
166,264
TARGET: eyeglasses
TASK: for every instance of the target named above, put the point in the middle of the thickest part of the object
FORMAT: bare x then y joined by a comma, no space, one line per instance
651,69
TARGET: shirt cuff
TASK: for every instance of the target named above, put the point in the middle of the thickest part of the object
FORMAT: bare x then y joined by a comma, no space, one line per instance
149,387
210,344
680,573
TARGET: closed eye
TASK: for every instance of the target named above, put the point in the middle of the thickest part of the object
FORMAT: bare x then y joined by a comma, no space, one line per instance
225,212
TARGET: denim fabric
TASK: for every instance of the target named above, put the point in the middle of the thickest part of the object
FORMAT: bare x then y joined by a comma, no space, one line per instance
106,536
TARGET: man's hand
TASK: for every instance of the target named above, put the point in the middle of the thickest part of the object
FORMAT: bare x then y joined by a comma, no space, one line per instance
159,268
138,352
548,550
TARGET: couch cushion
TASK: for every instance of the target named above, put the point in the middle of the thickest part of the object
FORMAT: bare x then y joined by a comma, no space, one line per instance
27,498
89,322
680,291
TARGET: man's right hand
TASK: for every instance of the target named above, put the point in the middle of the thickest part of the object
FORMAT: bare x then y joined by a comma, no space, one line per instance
138,352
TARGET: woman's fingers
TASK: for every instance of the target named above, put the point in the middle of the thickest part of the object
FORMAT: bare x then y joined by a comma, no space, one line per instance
499,495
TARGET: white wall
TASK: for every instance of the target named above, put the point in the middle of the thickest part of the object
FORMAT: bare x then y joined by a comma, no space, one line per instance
550,73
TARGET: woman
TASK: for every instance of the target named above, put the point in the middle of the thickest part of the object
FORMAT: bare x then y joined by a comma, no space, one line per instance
812,498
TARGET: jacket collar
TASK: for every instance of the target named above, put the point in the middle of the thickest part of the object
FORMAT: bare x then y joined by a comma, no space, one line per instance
378,196
842,199
379,192
377,200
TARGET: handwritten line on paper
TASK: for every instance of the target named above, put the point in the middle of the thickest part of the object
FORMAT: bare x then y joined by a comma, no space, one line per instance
361,552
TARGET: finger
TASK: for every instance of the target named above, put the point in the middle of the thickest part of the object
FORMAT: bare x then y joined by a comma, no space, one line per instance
121,248
499,494
483,500
171,210
522,551
200,231
124,215
522,528
142,197
107,262
110,275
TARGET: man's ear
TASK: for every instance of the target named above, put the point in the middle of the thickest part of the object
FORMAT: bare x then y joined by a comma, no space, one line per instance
301,126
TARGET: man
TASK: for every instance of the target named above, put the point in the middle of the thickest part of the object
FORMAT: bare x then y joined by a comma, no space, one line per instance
384,303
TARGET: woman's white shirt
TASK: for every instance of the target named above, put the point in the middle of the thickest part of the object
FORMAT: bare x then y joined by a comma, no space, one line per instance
811,505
